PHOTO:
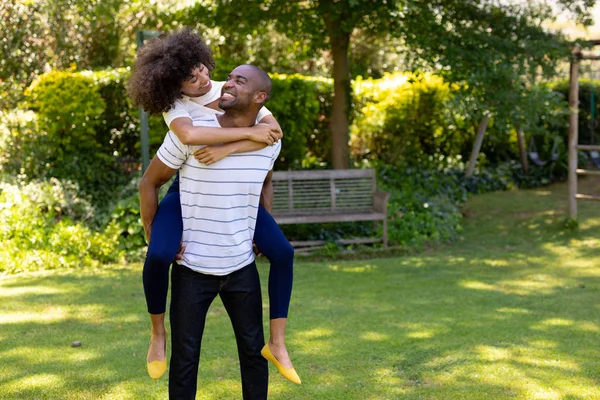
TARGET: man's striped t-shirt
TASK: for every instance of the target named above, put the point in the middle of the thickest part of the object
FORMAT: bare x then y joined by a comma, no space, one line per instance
219,202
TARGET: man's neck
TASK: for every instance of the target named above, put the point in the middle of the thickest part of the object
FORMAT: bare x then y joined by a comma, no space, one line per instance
233,119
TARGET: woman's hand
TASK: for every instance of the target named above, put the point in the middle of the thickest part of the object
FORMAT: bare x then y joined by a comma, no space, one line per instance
264,133
211,154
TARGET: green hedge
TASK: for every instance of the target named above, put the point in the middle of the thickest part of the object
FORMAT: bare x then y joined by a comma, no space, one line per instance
104,113
302,106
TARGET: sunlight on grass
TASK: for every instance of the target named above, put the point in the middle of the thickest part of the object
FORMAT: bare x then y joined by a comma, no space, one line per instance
530,285
316,333
491,353
556,322
35,354
36,382
26,290
121,391
513,310
422,331
543,344
357,269
496,263
477,285
50,314
374,337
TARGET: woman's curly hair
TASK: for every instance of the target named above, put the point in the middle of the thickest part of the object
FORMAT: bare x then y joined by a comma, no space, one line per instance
162,65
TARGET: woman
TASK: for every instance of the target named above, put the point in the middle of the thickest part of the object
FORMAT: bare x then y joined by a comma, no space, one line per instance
172,75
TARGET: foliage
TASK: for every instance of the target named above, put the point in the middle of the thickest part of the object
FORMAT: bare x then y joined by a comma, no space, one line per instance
69,110
403,118
58,34
301,106
589,130
512,48
106,120
21,146
42,227
426,201
125,215
119,133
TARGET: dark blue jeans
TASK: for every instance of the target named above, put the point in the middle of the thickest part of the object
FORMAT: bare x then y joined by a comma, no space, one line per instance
165,238
191,298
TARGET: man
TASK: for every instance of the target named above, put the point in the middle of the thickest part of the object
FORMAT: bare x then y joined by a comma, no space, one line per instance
219,208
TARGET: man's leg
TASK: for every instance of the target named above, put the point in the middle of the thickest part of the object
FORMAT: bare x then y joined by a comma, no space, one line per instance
191,296
243,302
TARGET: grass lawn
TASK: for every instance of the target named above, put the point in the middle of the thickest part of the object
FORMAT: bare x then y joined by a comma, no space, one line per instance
511,311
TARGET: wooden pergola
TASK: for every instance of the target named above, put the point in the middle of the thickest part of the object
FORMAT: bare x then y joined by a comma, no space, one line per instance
574,145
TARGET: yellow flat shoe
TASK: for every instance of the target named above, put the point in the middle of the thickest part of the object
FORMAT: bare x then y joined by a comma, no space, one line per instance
288,373
156,369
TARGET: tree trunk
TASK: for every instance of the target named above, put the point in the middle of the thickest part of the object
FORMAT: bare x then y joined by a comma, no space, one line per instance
477,144
339,41
573,133
522,149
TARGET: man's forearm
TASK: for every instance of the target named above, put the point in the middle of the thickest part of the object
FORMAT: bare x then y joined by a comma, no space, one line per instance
266,195
148,204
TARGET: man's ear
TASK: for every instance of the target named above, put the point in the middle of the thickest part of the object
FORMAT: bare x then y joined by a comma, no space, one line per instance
260,97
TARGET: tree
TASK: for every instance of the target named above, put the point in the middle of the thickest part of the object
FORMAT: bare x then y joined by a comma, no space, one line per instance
314,25
493,51
58,34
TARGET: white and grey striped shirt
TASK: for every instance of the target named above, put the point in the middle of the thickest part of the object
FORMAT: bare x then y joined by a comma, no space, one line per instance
219,202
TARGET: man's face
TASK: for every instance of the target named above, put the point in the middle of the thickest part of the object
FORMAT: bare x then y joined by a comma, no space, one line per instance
238,90
198,83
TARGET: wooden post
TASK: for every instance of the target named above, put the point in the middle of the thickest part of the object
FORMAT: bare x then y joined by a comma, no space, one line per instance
477,144
573,132
522,149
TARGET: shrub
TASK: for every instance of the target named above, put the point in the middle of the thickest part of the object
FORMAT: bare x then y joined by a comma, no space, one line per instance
22,145
403,118
41,227
69,111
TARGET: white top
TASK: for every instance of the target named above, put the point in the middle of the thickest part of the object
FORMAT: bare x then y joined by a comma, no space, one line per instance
195,107
219,202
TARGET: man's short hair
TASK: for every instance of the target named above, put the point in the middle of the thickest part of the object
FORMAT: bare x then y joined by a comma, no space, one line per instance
263,83
162,66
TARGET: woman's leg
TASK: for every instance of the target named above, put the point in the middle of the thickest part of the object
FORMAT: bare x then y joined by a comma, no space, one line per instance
272,243
165,240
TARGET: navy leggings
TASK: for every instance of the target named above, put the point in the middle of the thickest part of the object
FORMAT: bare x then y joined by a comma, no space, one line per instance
165,239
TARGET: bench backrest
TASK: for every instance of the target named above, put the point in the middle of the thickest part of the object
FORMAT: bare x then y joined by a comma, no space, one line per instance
298,192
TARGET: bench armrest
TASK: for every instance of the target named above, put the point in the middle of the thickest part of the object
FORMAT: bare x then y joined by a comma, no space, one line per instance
380,201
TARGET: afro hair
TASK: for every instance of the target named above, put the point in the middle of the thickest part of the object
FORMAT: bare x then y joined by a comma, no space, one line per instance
161,67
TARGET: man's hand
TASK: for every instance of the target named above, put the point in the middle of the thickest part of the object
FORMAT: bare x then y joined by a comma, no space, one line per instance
147,231
179,255
256,250
211,154
264,133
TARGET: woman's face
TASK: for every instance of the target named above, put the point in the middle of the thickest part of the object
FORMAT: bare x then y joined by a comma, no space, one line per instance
198,84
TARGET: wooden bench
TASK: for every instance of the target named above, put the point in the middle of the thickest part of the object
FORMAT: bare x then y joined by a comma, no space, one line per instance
303,197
